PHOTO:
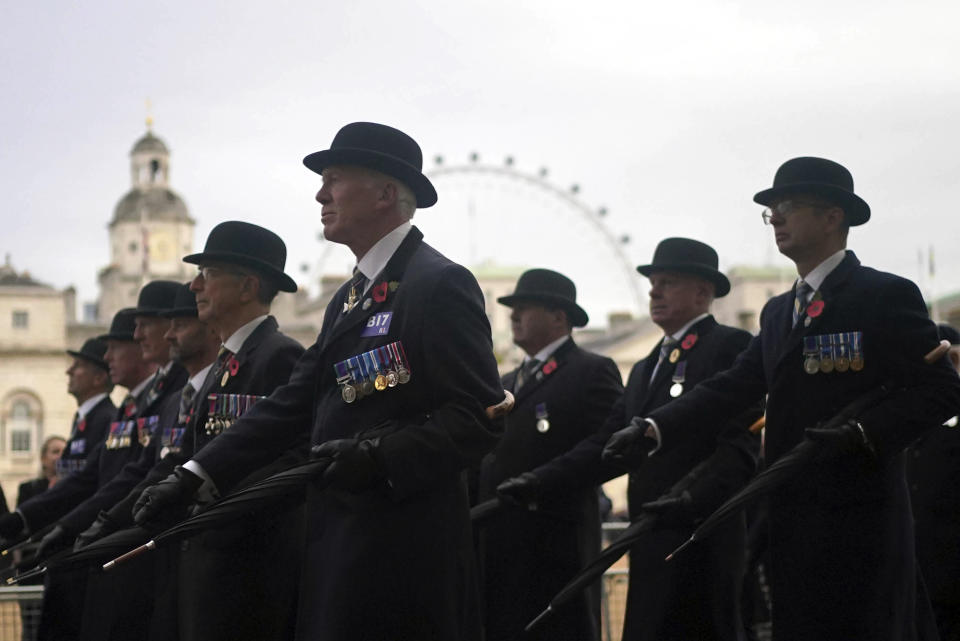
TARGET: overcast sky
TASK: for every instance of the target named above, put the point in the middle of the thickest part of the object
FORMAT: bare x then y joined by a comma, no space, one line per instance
671,115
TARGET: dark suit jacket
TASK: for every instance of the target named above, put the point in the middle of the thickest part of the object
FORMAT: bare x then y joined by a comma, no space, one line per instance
552,543
841,538
248,555
102,465
96,427
395,561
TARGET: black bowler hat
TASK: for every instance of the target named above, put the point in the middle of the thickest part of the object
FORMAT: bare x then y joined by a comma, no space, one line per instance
184,303
382,148
548,288
155,297
93,350
690,257
122,326
247,245
819,177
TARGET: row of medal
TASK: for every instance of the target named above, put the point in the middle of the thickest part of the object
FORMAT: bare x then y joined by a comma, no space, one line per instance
69,466
224,409
833,352
376,370
122,433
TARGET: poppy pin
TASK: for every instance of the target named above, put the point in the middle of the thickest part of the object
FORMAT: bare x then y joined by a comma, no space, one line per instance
549,367
815,308
689,341
233,366
379,292
82,425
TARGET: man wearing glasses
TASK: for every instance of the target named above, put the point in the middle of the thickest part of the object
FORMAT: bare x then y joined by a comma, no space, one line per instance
840,532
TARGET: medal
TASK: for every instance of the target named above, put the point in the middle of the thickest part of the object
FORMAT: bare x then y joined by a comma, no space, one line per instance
379,380
224,379
348,393
842,362
543,420
366,304
679,376
811,365
856,359
390,373
403,373
826,354
675,355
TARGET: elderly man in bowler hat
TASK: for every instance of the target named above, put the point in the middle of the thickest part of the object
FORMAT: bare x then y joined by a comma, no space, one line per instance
840,533
393,395
563,394
89,383
696,597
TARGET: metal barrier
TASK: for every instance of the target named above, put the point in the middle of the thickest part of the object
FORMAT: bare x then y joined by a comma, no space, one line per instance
20,612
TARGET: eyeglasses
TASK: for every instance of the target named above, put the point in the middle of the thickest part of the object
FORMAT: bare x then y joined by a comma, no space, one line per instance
206,272
786,207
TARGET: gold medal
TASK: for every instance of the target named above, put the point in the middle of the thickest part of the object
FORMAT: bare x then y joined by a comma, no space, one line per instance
675,355
856,363
676,390
380,382
826,365
543,425
842,364
811,365
224,379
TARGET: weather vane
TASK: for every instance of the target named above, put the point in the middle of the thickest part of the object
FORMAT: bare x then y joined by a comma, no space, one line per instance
149,116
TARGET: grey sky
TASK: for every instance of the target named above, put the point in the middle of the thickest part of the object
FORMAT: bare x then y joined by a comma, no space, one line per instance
670,114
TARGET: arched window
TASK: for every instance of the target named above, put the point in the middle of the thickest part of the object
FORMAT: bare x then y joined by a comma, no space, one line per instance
22,417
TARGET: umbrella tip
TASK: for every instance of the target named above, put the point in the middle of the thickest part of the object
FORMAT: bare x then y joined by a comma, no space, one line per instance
540,617
109,565
680,549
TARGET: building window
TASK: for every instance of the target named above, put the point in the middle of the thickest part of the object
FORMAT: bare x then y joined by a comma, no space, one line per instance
21,422
21,319
133,248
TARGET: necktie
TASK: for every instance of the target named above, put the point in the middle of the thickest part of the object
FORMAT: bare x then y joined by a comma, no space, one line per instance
357,284
800,302
76,423
129,406
525,372
665,348
222,357
186,402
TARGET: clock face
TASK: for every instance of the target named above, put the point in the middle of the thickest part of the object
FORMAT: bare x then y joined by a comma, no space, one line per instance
162,247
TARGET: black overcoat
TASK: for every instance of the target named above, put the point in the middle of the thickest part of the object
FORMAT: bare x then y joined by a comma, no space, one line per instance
96,426
841,535
573,391
395,561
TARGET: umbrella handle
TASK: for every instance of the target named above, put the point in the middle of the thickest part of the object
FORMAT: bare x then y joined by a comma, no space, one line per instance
502,408
937,352
123,558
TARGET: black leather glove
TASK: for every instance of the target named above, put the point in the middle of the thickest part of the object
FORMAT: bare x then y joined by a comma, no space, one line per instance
53,541
675,509
835,442
521,490
354,467
11,525
629,447
168,500
100,528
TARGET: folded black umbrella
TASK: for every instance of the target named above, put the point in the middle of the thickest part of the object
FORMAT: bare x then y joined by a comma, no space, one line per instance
783,469
287,485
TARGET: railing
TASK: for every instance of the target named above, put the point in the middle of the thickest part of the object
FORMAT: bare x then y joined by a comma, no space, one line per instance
20,612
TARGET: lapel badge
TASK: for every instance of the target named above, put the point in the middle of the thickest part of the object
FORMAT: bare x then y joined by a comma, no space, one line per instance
379,292
689,341
550,366
366,304
674,355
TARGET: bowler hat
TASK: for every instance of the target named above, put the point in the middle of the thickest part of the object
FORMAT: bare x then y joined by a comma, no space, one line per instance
247,245
548,288
122,326
381,148
184,303
155,297
819,177
93,350
690,257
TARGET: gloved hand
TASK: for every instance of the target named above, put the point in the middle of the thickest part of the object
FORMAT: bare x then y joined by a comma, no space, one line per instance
100,528
354,467
11,525
675,509
55,540
168,500
847,439
629,447
521,490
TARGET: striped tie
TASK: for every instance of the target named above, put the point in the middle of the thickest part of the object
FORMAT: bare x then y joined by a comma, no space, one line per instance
800,302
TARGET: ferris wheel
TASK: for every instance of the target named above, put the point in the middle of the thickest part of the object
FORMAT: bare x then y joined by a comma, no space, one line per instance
500,214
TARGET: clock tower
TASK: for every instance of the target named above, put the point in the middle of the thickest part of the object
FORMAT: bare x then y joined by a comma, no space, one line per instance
150,232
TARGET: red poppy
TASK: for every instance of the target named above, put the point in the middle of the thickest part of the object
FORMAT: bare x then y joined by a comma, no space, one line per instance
82,425
233,365
550,366
815,308
689,341
380,292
